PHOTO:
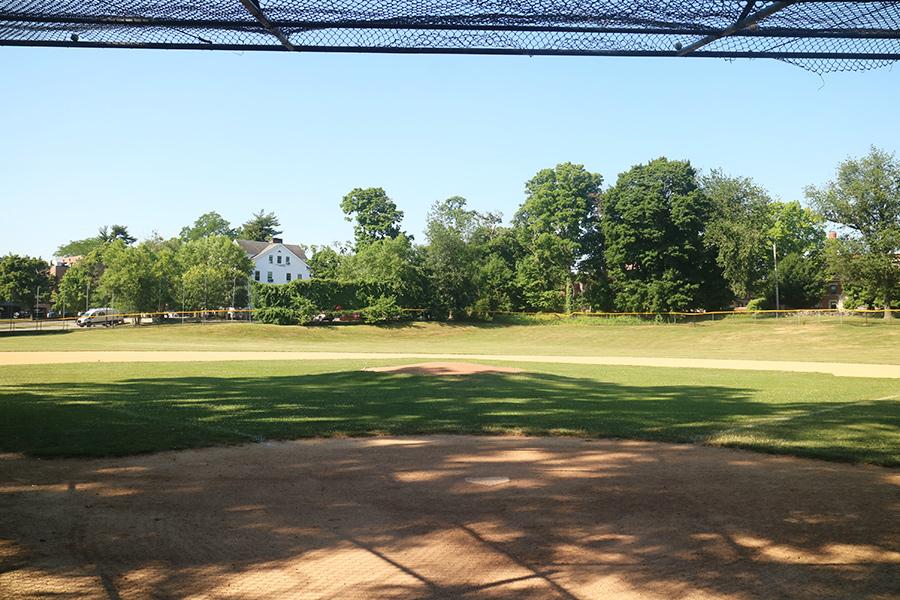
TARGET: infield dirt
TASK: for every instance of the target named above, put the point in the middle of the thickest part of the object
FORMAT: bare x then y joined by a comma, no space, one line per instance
406,518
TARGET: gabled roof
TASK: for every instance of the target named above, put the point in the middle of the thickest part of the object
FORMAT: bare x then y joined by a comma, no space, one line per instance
254,248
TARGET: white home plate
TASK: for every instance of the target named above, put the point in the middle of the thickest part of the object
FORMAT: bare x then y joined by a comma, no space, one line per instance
487,480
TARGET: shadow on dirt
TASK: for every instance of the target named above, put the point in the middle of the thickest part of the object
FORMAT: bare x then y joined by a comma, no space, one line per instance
396,518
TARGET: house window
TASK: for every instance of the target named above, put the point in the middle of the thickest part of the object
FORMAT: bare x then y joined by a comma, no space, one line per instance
256,275
270,259
832,305
287,260
269,276
288,276
832,289
279,259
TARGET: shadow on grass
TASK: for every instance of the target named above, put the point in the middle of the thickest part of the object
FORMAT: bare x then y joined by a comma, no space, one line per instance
33,332
144,415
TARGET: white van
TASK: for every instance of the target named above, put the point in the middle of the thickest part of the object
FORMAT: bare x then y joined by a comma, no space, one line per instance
100,316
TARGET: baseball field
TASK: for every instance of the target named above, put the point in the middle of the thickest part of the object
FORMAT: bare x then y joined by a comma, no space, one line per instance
531,459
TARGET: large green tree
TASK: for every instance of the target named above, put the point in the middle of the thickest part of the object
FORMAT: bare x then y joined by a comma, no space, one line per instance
738,231
801,281
128,278
105,235
78,289
744,226
326,261
80,247
654,222
395,264
22,278
261,227
376,216
796,229
207,224
453,255
142,278
864,198
558,227
214,270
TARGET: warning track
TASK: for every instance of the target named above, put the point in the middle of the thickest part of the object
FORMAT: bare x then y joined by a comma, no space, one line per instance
868,370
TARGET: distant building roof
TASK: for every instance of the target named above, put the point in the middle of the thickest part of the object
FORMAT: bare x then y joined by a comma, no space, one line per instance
254,248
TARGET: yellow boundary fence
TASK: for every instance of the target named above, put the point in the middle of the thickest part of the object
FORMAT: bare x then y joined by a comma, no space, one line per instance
227,314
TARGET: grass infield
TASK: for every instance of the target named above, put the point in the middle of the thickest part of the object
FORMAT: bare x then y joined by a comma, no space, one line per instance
117,409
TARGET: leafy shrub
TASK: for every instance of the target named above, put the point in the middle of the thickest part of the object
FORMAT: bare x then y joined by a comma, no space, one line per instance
304,310
324,294
757,304
381,309
276,315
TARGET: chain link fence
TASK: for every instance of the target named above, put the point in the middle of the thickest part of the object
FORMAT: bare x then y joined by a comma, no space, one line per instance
347,317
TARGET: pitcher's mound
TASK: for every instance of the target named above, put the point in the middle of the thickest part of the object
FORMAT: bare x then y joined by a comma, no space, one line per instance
444,368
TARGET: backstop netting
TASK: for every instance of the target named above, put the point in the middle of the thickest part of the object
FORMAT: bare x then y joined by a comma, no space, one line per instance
821,36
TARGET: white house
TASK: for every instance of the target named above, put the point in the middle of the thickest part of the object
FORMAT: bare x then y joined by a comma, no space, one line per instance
275,261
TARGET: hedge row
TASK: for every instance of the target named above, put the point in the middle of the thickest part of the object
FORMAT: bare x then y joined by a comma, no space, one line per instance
381,310
324,294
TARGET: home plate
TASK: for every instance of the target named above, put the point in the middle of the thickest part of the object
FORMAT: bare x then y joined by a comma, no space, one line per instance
487,480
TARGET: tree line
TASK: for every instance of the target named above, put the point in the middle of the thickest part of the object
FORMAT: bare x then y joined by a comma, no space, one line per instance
662,237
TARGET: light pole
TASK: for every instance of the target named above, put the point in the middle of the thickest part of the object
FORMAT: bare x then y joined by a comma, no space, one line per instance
777,297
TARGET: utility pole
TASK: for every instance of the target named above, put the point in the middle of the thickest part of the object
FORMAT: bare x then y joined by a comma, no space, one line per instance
87,297
777,298
233,297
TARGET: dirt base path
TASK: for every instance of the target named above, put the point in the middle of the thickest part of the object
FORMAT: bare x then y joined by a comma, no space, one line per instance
838,369
449,517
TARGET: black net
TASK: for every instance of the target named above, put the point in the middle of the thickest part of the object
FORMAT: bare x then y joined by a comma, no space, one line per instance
821,36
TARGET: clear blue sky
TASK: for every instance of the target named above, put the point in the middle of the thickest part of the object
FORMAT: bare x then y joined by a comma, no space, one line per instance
152,139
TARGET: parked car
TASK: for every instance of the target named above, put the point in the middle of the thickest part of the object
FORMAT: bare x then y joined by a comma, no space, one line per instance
100,316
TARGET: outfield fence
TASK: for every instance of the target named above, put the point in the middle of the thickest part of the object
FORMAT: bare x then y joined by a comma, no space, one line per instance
673,317
346,317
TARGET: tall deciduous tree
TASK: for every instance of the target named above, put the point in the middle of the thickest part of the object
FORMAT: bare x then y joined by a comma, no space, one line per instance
20,279
796,229
738,231
207,224
128,278
376,215
261,227
105,235
453,254
79,247
744,225
395,264
142,278
558,226
864,198
78,289
801,281
326,261
214,270
654,222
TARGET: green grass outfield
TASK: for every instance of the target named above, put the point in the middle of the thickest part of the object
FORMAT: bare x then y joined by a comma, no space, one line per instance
114,409
817,338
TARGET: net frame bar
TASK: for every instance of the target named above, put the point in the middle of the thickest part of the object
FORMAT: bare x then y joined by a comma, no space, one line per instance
248,25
